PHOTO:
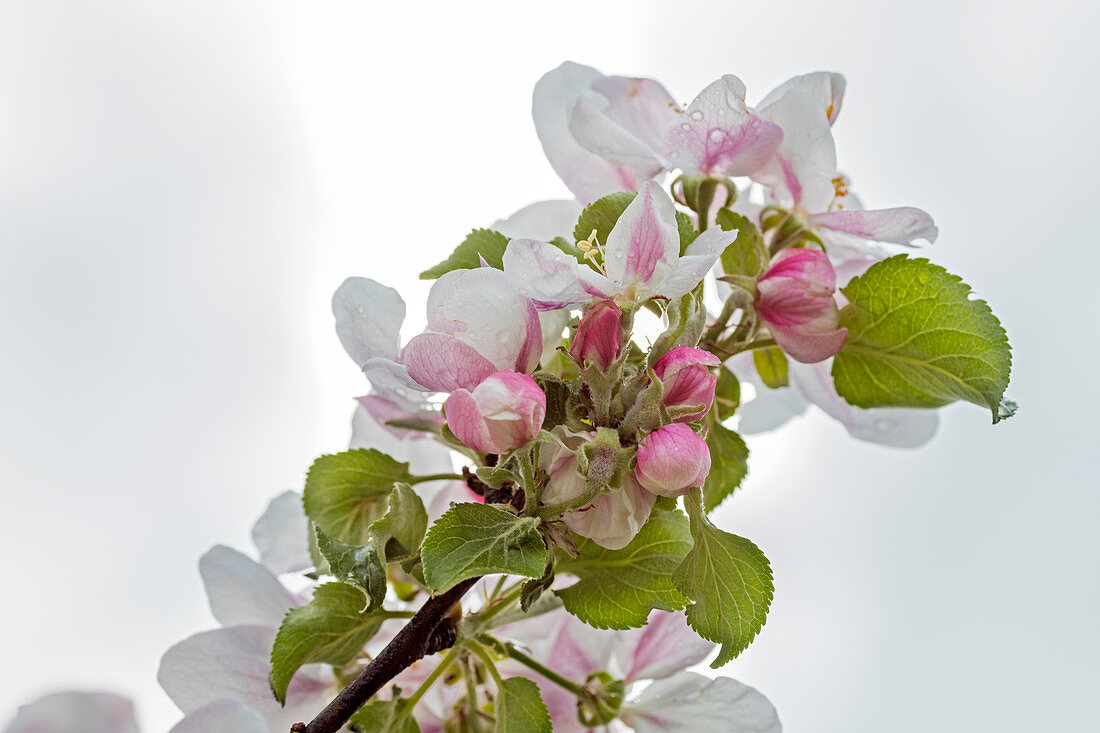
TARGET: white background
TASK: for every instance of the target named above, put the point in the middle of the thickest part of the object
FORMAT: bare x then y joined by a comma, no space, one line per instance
182,186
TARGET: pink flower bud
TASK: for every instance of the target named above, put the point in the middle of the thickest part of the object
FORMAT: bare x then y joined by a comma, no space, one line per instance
504,412
794,298
688,382
599,336
672,460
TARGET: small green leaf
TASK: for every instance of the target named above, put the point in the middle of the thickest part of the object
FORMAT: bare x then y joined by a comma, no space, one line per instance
519,708
533,589
467,256
330,629
601,216
746,256
730,582
686,230
347,491
384,716
400,531
729,464
618,588
917,339
727,394
772,366
357,565
475,539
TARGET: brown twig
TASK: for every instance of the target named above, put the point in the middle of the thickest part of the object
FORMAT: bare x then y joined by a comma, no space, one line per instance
427,632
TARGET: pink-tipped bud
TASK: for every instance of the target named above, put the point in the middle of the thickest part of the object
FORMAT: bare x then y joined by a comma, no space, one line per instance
672,460
599,336
686,376
794,298
504,412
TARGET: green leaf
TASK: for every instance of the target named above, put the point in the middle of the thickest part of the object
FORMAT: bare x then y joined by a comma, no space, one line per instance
357,565
729,464
519,708
730,582
746,256
400,531
384,716
618,588
686,230
467,256
727,394
475,539
772,366
347,491
601,215
330,629
917,339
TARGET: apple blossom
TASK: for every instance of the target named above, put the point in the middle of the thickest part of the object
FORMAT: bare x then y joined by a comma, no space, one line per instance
672,460
802,175
64,712
501,414
599,337
641,259
611,133
794,298
685,374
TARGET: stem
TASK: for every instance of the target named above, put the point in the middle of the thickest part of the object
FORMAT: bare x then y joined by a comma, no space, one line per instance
426,685
499,605
491,665
545,671
591,491
436,477
410,644
719,324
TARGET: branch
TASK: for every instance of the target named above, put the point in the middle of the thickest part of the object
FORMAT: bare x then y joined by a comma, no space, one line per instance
426,633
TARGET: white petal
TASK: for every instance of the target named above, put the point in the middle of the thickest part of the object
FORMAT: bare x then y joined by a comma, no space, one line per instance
664,646
545,274
222,716
242,592
70,712
898,427
614,518
804,166
553,327
827,87
696,262
281,535
233,663
624,120
484,309
368,319
587,175
691,703
542,220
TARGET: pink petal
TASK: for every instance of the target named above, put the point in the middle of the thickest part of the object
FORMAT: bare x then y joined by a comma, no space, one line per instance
624,120
549,276
385,410
62,712
902,225
719,135
664,646
689,703
643,238
442,363
222,716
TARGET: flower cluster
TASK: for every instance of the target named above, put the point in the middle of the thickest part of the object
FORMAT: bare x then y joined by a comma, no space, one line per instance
540,455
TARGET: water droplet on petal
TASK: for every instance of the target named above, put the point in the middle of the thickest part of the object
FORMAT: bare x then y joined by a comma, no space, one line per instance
685,126
696,115
717,136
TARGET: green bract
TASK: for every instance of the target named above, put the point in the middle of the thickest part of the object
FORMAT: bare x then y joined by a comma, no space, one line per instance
331,628
399,533
730,582
772,366
618,588
475,539
917,339
746,256
357,565
519,708
479,243
346,492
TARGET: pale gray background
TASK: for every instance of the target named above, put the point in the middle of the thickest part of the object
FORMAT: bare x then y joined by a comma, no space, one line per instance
184,184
